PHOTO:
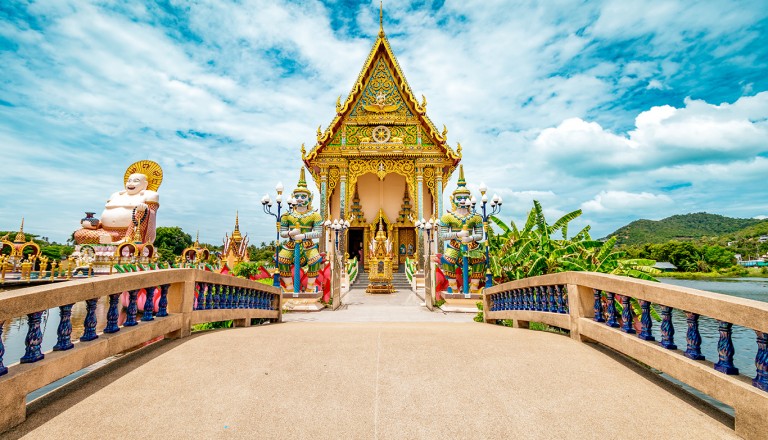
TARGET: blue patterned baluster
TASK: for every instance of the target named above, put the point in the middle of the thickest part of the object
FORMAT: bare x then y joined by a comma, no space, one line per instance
248,304
627,316
725,349
667,329
254,299
64,332
225,297
162,305
541,299
552,300
541,303
512,299
34,339
218,296
529,299
240,297
149,305
566,307
561,303
266,301
133,308
612,318
113,314
208,296
646,331
233,296
693,337
761,361
89,332
598,306
3,368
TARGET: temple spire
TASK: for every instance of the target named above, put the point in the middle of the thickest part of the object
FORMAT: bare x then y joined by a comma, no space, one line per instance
20,237
237,220
381,19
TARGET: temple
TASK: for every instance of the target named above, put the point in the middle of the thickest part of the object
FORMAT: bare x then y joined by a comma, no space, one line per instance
381,161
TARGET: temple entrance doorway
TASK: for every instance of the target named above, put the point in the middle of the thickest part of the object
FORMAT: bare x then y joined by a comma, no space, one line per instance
355,243
407,245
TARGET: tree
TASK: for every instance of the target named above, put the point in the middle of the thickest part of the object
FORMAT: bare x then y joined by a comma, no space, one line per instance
533,250
170,241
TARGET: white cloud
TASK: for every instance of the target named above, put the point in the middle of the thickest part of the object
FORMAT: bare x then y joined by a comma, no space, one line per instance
223,95
625,202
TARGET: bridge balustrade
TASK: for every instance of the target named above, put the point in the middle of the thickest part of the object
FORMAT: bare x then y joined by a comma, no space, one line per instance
186,297
585,305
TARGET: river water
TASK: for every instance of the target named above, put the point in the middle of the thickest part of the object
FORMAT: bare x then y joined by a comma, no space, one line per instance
15,331
744,339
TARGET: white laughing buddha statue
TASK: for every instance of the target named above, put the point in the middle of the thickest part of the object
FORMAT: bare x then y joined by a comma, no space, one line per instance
134,206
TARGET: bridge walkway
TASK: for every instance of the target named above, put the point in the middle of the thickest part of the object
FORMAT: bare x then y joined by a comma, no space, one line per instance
378,380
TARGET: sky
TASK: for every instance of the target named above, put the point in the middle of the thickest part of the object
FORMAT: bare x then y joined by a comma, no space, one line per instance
623,109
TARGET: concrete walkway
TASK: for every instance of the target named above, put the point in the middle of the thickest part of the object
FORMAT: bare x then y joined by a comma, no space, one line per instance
351,380
359,306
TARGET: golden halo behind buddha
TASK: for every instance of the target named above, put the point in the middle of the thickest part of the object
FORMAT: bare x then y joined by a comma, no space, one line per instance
148,168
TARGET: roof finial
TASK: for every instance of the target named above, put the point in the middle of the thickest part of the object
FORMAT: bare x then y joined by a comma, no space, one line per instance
381,18
237,220
20,237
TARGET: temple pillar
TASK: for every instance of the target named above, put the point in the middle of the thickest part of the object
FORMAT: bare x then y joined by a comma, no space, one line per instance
343,208
323,204
420,206
439,214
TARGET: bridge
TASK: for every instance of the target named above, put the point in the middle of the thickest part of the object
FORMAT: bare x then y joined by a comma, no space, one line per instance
351,374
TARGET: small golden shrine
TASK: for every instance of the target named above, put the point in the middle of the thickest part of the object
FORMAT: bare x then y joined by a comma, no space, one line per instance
235,246
22,254
20,248
195,254
380,261
381,153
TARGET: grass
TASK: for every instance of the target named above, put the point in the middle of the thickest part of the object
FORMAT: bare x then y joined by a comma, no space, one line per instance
748,272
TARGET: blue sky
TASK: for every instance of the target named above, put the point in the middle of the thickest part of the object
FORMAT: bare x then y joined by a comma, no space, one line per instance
624,109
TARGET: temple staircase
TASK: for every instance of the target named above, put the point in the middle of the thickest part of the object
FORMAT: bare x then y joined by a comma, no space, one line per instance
399,281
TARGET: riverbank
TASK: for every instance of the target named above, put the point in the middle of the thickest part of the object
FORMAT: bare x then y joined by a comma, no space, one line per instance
750,272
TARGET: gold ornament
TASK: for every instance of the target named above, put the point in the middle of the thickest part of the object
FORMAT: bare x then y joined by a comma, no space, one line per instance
151,169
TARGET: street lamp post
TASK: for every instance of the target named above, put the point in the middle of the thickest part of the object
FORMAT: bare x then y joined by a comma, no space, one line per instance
427,226
266,203
338,227
495,209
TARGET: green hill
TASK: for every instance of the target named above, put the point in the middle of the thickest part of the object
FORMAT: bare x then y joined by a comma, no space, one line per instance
688,227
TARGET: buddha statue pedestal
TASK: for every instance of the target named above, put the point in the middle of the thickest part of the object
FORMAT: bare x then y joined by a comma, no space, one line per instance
380,276
380,264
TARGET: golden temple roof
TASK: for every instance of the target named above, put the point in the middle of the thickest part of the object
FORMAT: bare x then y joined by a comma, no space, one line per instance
381,110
